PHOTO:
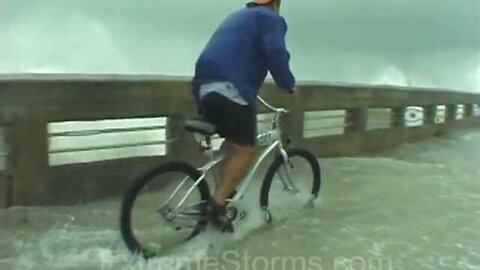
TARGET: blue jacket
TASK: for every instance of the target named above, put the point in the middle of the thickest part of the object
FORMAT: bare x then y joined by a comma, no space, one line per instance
248,44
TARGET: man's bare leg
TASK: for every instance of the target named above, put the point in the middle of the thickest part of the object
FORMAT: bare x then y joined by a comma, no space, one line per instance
234,168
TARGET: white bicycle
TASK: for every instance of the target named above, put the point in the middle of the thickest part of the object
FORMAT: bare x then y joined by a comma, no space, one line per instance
162,207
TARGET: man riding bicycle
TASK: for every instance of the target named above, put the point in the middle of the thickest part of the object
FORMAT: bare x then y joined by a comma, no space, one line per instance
228,76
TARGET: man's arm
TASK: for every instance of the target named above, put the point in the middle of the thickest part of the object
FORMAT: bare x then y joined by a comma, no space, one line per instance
274,30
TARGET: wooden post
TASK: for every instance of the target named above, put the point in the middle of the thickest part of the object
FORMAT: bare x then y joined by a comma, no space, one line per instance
28,149
292,125
429,114
9,143
468,111
356,120
4,190
451,113
398,117
181,144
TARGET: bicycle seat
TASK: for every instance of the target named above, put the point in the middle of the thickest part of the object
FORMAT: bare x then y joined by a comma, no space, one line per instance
201,126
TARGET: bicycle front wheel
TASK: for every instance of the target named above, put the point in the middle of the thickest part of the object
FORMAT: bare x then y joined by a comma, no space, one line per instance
163,208
291,184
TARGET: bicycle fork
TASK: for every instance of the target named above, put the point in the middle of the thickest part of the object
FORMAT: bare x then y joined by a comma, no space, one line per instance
287,182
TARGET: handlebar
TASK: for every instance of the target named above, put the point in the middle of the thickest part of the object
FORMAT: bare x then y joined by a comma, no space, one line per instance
277,110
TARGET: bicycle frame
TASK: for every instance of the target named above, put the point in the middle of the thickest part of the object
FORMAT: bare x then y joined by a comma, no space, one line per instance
273,143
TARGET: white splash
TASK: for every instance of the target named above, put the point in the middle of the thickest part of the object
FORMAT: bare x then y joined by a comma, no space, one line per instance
391,75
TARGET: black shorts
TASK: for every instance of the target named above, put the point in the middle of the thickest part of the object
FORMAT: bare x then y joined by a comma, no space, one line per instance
235,122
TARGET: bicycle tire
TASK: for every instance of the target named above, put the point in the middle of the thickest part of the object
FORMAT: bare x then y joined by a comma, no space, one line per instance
132,192
278,161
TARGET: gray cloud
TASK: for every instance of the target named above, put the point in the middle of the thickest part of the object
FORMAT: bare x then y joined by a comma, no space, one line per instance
389,25
423,43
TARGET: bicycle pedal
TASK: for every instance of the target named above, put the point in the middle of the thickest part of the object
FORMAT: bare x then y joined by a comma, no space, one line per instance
232,211
227,228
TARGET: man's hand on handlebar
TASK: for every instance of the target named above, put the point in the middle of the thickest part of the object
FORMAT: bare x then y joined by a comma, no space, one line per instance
295,96
295,92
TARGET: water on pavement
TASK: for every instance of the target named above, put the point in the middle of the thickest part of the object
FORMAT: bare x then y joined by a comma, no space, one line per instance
416,207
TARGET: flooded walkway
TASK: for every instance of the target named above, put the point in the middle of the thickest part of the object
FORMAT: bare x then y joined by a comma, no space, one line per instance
413,208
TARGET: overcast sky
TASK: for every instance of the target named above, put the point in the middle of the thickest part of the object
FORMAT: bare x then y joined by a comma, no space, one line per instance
433,43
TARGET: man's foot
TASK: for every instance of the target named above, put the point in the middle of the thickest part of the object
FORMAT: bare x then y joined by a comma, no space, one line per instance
217,214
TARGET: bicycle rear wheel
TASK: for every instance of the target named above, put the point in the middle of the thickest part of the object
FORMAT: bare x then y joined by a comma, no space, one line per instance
151,222
291,185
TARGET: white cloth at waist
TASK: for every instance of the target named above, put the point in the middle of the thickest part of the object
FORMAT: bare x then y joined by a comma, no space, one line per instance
225,89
